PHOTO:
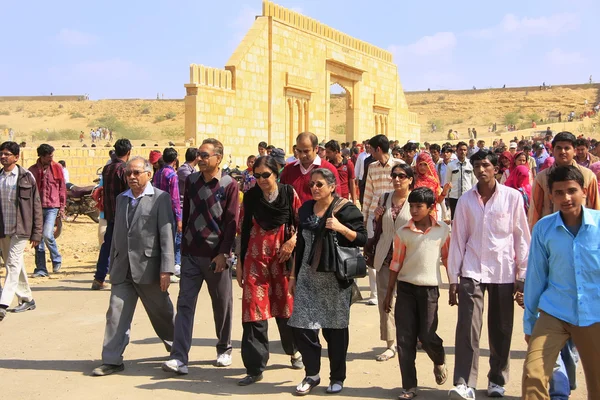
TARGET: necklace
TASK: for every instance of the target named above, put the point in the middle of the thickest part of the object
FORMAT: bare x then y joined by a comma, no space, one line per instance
270,197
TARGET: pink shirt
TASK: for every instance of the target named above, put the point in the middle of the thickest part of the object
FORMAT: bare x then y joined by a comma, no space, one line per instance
489,243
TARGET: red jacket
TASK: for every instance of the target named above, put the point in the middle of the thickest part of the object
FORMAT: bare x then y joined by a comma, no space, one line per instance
51,184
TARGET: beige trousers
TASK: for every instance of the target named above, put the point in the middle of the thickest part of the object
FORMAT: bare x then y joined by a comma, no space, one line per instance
16,276
548,337
387,326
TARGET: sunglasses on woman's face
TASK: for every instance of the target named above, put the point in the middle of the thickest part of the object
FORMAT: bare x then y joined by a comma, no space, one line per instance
264,175
400,176
318,184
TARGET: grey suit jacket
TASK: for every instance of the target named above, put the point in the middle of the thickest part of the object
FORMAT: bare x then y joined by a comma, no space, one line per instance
147,246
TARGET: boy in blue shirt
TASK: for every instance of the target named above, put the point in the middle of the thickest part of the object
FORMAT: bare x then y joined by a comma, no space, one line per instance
562,292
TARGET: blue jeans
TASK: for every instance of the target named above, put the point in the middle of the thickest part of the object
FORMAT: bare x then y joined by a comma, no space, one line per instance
104,256
565,373
49,215
177,247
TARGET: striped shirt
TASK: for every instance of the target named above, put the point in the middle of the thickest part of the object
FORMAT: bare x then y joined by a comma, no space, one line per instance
8,199
166,180
378,182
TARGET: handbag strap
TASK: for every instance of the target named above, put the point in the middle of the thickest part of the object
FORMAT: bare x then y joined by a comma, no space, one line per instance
340,202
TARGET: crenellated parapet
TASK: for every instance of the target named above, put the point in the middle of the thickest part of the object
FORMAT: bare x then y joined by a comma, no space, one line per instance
208,76
300,21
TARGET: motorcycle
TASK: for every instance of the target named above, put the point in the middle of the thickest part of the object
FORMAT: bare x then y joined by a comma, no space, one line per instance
80,202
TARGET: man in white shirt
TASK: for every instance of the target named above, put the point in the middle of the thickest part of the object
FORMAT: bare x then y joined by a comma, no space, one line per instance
460,174
65,171
488,257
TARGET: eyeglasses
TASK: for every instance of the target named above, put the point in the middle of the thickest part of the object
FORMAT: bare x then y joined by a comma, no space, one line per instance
205,156
264,175
129,172
6,154
319,185
399,176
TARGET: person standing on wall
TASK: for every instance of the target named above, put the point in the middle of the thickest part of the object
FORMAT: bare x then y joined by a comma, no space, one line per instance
115,183
53,193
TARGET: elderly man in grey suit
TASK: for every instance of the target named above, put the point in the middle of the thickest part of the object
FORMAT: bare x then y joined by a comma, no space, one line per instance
141,263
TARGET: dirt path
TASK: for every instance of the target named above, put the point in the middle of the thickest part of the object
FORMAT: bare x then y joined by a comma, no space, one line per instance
49,353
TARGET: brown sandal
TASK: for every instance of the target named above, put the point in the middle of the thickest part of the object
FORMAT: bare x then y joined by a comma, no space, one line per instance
441,373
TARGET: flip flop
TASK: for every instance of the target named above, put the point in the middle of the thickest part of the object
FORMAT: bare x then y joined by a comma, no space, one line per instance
441,373
408,394
386,355
306,386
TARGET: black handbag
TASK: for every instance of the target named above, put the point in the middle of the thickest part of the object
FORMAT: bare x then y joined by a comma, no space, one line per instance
350,263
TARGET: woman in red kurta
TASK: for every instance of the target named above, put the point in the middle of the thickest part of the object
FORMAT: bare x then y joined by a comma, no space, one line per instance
268,238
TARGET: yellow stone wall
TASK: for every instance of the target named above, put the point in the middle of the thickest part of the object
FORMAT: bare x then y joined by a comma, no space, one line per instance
277,84
83,163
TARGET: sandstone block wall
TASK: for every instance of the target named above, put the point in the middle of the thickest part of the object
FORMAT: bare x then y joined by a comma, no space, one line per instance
83,163
277,84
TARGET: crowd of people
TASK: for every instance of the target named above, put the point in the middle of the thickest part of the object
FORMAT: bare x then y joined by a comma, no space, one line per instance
517,223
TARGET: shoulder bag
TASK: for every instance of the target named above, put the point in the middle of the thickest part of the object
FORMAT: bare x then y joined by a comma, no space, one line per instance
350,263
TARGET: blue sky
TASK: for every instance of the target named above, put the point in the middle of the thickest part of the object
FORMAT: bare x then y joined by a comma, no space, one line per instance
131,48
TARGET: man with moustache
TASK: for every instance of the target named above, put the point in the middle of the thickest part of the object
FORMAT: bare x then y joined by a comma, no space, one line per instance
141,264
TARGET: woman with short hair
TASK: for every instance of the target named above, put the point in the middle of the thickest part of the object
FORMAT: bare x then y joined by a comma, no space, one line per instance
321,301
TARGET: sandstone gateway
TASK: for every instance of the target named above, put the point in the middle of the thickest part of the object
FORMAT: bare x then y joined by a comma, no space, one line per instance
277,84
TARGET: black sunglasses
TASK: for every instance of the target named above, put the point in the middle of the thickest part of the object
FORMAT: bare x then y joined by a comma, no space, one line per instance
319,185
401,176
264,175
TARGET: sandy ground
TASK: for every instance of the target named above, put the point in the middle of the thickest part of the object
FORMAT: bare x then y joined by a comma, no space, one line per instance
49,353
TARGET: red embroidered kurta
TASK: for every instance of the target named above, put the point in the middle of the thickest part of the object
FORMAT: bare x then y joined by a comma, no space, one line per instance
265,291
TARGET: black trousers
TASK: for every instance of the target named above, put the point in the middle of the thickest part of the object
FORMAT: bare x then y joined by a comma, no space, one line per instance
416,315
255,344
453,203
309,346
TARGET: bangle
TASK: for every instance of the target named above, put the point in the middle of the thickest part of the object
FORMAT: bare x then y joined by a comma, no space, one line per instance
291,277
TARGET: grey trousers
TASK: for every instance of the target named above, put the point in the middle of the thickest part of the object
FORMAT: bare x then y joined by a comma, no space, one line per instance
194,271
468,330
123,300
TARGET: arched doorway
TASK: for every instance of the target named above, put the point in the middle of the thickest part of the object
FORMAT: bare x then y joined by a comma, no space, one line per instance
338,109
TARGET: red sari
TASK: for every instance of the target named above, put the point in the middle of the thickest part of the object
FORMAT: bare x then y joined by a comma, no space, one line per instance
265,288
429,180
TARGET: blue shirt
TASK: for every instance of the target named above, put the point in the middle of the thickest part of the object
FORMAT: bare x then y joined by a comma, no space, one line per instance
563,271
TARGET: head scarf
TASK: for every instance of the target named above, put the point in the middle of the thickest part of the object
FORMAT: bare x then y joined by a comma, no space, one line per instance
154,156
509,157
520,182
547,164
430,179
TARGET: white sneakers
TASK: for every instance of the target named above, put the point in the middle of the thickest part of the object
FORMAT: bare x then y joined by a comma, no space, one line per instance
173,365
176,366
495,390
461,392
224,360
